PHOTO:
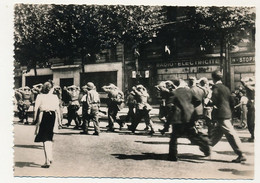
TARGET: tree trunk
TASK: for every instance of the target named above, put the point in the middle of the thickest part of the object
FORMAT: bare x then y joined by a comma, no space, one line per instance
227,65
83,58
221,52
35,70
222,60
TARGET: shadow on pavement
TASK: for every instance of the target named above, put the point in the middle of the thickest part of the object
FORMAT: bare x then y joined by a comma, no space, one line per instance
29,146
143,156
27,164
238,172
157,142
233,154
152,142
153,156
140,132
68,133
187,157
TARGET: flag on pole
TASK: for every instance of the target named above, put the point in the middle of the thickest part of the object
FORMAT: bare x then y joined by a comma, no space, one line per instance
167,50
136,53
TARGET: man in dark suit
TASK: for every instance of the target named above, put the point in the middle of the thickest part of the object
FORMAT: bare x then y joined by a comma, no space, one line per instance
222,100
181,110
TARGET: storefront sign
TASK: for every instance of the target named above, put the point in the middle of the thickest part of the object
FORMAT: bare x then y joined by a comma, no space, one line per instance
242,60
189,63
146,74
133,74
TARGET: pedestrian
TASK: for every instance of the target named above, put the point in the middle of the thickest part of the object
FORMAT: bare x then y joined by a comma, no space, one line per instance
58,91
27,98
73,106
200,94
93,105
182,107
236,112
221,98
48,105
204,84
85,115
19,102
249,84
142,109
114,103
165,88
131,103
243,106
163,95
36,90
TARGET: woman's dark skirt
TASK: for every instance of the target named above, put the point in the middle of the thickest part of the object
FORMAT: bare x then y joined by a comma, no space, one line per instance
46,127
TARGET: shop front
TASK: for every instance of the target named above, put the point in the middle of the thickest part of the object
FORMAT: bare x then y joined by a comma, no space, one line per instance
242,65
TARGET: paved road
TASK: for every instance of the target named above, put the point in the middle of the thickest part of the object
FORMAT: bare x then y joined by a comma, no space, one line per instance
122,154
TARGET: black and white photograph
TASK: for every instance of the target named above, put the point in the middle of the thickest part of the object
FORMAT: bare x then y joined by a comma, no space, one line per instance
133,91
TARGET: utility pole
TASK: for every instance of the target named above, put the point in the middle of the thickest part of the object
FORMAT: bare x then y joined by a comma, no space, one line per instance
137,54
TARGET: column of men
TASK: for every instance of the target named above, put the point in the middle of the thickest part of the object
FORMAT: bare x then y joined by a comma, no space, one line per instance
185,107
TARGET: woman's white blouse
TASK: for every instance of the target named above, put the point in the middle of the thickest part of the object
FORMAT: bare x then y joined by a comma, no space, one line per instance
47,102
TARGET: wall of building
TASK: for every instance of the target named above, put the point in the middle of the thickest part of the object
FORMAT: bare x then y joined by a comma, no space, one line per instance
242,65
40,72
107,67
68,71
183,69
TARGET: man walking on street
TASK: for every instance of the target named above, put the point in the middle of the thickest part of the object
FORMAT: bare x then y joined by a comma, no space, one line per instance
221,98
181,110
93,104
73,106
114,104
142,109
85,115
249,84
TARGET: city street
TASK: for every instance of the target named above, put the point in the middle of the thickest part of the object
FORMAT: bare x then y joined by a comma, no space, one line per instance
123,154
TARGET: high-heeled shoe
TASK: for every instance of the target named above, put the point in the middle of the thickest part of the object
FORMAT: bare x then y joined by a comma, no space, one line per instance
45,166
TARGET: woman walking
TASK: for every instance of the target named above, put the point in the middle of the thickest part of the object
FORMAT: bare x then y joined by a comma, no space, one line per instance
49,112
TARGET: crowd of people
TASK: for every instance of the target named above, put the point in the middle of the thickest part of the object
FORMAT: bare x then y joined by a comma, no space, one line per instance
198,109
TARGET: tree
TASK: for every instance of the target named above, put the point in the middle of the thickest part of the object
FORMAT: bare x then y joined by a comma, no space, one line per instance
223,26
31,35
72,31
138,26
89,29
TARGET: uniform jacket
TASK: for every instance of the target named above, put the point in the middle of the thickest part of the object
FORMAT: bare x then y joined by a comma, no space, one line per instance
200,95
93,101
115,99
142,99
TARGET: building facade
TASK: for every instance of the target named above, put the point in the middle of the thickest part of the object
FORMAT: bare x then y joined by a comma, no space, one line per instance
167,56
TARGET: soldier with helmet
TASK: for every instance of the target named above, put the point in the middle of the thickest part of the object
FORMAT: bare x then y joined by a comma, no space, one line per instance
73,106
142,109
91,108
114,104
165,88
25,103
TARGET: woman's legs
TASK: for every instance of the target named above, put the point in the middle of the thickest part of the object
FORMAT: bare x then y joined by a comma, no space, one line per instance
47,146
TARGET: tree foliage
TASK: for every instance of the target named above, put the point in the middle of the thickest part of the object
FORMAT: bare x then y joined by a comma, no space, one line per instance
31,35
69,31
221,25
